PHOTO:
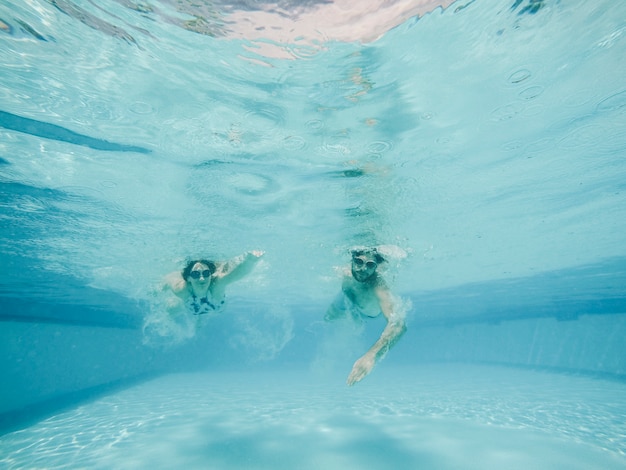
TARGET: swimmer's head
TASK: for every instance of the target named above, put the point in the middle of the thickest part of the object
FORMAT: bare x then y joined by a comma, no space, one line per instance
198,271
365,264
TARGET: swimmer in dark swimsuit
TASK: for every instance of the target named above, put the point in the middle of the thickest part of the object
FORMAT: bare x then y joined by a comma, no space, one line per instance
365,293
202,305
202,283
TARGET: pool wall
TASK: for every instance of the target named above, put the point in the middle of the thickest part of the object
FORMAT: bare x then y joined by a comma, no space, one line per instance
590,344
44,360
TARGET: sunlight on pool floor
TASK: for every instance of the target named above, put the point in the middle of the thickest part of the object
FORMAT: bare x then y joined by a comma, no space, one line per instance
419,417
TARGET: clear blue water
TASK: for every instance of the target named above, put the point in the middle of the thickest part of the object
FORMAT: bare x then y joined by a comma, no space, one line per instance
483,138
448,417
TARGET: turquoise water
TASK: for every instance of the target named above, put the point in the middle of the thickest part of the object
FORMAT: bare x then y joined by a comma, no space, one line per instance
483,140
443,417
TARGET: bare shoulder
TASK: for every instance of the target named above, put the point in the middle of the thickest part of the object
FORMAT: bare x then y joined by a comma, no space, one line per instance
175,282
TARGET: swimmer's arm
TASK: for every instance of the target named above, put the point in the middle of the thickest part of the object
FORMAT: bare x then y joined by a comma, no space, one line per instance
394,329
239,267
174,282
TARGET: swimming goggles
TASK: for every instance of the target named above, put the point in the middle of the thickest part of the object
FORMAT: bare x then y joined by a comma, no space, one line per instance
359,262
196,274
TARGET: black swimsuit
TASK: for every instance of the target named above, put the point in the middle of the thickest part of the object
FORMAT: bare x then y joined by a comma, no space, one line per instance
201,306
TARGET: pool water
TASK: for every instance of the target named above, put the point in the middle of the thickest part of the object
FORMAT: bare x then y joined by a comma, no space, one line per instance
434,416
478,143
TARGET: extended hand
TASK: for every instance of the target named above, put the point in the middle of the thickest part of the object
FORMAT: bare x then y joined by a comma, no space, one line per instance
360,369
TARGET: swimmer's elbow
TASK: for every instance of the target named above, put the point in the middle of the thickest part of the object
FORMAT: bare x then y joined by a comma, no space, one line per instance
398,327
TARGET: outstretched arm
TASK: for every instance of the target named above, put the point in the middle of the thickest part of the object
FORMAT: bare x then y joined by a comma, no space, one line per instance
394,329
237,268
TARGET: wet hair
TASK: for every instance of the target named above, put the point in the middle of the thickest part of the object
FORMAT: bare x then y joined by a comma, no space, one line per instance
187,269
371,252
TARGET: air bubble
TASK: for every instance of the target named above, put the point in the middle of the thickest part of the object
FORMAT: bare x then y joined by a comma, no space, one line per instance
379,146
294,142
108,184
613,102
504,113
531,92
315,124
139,107
520,76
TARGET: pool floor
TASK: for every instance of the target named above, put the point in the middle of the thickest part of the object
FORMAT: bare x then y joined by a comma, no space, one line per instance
433,416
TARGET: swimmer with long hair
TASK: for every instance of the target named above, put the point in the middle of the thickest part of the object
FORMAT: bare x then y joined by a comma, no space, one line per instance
201,285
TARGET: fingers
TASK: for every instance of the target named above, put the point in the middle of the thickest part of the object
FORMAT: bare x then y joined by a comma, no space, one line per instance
351,380
356,375
361,368
355,379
